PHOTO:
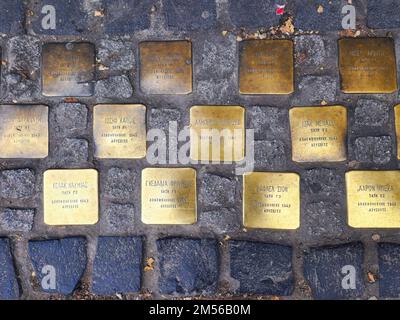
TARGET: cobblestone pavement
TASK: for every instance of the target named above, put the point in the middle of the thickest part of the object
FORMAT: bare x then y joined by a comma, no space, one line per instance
121,257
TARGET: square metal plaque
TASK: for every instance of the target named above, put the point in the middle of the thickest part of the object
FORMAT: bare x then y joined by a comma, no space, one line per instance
373,199
217,133
367,65
266,67
318,133
70,197
119,131
166,67
271,200
169,196
24,131
68,69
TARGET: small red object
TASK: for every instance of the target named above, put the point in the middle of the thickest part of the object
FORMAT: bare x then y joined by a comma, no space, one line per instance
280,10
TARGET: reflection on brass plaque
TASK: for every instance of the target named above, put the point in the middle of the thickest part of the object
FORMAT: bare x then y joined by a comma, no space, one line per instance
119,130
373,199
367,65
70,197
266,67
217,133
169,196
318,133
68,69
397,121
23,131
271,200
166,67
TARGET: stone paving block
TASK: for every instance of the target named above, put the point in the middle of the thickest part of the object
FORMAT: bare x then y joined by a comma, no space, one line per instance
126,16
119,217
119,183
114,87
188,266
9,288
377,150
64,258
310,51
383,14
221,221
335,272
72,151
267,122
323,181
117,265
187,15
217,191
71,17
373,113
321,15
262,268
17,220
253,13
389,270
70,118
271,155
18,183
12,16
116,55
314,89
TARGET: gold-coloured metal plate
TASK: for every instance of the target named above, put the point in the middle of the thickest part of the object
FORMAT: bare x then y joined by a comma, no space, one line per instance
271,200
318,133
217,133
68,69
373,199
266,67
24,131
119,131
166,67
397,123
169,196
367,65
70,197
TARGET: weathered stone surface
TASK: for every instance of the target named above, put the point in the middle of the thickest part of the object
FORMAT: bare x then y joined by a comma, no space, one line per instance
114,87
116,55
119,183
217,191
377,150
372,113
262,268
310,51
119,217
188,266
267,122
72,151
66,257
383,14
389,270
8,280
314,89
323,181
182,14
17,220
16,184
12,16
70,118
220,221
270,155
213,90
253,13
325,269
160,118
117,265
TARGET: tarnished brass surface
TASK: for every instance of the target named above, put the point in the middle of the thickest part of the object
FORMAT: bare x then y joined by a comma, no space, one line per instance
217,133
271,200
24,131
318,133
70,197
169,196
266,67
68,69
166,67
119,130
373,199
367,65
397,121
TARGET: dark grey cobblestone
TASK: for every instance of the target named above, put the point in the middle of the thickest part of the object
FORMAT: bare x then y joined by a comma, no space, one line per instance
323,181
253,13
19,183
217,191
270,155
221,221
377,150
8,279
18,220
383,14
389,270
12,18
310,51
119,217
315,89
114,87
372,113
267,122
119,182
70,118
116,55
71,152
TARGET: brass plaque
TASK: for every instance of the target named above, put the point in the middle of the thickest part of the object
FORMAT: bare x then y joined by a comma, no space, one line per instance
266,67
397,123
166,67
119,131
70,197
318,133
24,131
169,196
373,199
367,65
271,200
68,69
217,133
